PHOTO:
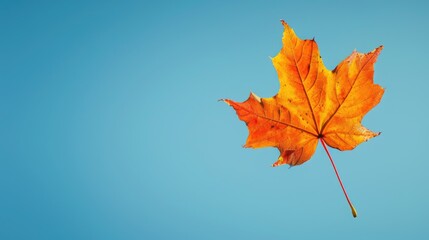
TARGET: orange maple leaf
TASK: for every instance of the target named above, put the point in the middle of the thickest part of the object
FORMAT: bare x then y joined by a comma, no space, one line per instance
313,103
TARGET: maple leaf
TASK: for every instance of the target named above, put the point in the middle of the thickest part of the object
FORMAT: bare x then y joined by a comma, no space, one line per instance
313,103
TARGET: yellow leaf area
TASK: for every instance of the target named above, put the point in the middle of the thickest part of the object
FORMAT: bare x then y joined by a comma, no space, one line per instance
312,103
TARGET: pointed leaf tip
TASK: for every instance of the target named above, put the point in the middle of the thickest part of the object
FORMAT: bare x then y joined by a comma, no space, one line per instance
227,101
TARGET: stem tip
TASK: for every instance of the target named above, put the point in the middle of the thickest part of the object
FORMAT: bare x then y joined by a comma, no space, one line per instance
353,211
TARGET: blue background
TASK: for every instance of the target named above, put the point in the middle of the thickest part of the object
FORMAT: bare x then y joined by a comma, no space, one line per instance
110,126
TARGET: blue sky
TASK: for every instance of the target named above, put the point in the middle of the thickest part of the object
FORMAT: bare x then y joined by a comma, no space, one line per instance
110,126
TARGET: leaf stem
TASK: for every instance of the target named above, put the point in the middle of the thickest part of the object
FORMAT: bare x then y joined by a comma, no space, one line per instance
339,179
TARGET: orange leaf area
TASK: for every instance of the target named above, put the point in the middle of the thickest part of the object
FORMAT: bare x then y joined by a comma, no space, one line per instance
313,102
